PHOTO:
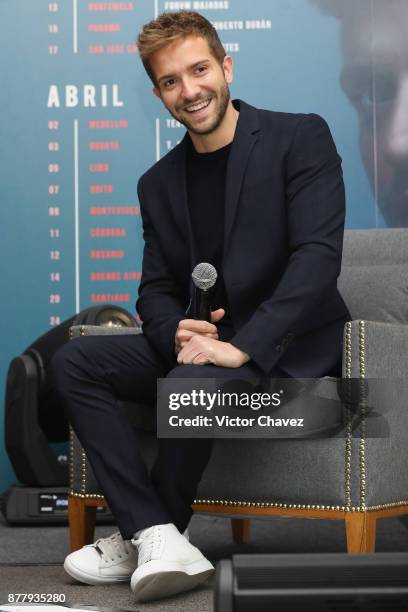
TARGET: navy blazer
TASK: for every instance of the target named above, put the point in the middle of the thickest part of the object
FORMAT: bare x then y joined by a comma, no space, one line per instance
283,237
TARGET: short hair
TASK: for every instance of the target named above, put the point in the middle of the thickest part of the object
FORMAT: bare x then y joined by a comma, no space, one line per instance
168,27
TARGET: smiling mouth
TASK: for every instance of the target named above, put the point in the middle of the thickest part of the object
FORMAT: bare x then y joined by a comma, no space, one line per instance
199,106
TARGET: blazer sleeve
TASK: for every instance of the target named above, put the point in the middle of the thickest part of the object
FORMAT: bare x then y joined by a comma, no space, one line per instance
315,203
160,303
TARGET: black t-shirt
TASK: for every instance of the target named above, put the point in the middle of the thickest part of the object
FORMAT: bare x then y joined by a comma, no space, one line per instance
206,174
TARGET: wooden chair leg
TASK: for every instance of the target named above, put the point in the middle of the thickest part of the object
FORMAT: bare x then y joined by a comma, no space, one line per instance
81,522
360,532
241,529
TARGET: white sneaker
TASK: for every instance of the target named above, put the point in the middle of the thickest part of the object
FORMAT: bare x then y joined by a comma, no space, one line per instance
108,560
167,563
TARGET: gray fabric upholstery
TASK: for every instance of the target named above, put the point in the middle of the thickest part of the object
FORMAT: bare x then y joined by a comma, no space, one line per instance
374,284
375,247
374,274
385,370
376,293
280,471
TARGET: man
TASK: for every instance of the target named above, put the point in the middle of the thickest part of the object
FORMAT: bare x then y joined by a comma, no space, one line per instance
260,196
375,78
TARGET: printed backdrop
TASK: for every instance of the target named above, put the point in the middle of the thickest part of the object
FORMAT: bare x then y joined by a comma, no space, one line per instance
80,125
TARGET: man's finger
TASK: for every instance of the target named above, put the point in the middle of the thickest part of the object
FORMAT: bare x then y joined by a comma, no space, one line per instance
200,359
194,325
184,335
216,315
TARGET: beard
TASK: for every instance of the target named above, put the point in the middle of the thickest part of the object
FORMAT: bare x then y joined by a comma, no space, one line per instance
220,101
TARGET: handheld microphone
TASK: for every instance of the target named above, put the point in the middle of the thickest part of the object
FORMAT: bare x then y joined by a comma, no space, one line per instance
204,278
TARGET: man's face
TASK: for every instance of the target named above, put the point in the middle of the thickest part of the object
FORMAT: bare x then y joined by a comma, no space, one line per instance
191,83
375,77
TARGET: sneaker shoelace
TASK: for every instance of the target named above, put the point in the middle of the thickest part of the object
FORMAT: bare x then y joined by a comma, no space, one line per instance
149,546
112,548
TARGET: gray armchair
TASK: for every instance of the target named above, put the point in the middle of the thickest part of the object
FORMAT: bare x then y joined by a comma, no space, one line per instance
357,478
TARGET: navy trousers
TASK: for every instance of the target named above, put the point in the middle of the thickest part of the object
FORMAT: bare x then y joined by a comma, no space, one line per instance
90,374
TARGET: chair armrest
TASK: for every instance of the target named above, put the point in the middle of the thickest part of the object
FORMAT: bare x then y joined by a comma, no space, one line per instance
101,330
82,479
377,353
373,349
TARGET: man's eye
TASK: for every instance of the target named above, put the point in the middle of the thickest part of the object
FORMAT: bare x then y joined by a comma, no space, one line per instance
201,69
169,83
365,91
382,93
366,98
385,89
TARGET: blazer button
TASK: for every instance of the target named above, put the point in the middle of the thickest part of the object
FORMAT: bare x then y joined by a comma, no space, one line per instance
278,348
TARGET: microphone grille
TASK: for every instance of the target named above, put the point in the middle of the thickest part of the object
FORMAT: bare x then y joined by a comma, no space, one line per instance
204,276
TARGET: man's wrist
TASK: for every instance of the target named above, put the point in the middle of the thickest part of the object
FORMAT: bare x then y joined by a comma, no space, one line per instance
244,356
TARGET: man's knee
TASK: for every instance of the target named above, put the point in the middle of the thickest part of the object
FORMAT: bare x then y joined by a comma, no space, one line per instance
211,371
70,358
189,371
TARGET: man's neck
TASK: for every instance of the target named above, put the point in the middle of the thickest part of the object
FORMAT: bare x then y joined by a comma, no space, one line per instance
223,135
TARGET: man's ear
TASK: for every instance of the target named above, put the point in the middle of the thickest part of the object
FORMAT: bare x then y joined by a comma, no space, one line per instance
227,66
156,92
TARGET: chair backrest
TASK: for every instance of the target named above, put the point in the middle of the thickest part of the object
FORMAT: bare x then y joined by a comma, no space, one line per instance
374,274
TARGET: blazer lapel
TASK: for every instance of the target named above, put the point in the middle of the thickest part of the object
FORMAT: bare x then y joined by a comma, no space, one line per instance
246,134
177,190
